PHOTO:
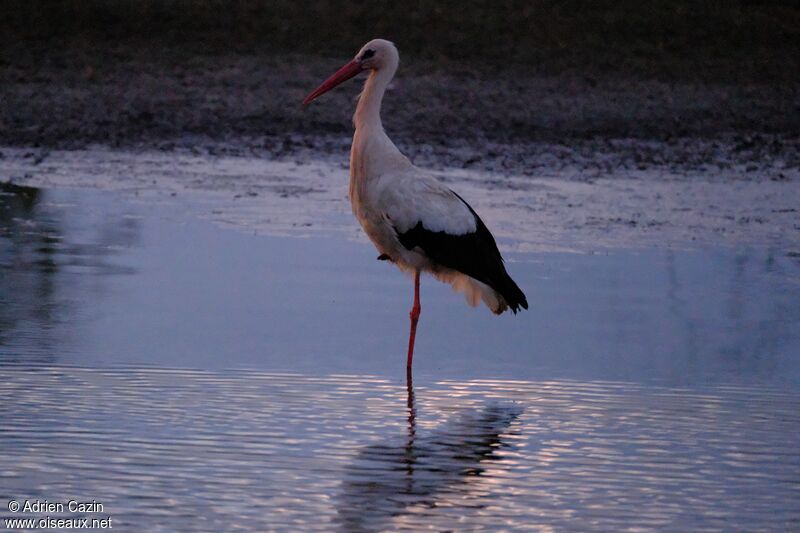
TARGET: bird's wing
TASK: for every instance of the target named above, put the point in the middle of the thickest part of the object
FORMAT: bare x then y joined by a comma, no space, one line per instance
427,215
411,198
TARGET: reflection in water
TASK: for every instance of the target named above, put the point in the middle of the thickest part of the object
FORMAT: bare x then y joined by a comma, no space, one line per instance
423,471
198,295
180,450
27,247
46,251
204,450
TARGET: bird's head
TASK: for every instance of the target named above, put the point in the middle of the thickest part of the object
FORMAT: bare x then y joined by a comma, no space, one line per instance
376,55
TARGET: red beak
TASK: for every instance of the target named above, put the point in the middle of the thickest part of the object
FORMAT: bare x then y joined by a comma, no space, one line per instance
341,75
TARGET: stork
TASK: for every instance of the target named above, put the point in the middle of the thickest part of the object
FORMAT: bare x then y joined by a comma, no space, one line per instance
412,219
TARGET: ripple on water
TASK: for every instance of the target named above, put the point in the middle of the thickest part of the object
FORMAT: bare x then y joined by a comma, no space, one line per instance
208,451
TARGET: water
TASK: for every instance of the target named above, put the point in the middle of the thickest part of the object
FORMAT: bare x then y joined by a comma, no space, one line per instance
194,377
97,279
180,450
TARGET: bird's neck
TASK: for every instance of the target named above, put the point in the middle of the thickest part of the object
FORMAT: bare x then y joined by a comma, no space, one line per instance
373,153
368,110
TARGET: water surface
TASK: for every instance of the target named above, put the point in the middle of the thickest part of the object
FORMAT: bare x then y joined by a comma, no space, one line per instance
97,279
212,451
197,377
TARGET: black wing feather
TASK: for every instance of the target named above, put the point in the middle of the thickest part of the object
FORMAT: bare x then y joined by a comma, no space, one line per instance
474,254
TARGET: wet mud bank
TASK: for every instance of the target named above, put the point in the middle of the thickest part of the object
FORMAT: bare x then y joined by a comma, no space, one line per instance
554,157
579,122
551,212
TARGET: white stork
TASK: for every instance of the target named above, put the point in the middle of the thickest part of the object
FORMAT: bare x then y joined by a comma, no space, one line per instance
414,221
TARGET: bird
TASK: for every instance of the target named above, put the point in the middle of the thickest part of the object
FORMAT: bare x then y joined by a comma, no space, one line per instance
414,220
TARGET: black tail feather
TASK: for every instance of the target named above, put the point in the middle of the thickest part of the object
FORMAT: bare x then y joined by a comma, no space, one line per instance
511,293
474,254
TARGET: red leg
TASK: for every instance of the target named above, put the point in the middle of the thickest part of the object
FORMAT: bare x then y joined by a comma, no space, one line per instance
414,315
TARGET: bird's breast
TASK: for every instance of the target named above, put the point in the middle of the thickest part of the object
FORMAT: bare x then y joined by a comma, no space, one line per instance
376,226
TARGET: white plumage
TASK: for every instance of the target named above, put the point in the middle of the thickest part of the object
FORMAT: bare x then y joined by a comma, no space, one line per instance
414,220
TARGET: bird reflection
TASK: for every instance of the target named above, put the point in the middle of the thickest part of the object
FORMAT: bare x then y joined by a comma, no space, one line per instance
385,480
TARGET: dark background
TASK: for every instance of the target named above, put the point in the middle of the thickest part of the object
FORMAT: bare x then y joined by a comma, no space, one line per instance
728,37
167,73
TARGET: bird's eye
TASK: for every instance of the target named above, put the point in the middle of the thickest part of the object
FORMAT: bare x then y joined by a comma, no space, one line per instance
367,54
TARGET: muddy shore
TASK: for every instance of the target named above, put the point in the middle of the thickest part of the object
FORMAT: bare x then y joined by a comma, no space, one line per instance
584,123
555,158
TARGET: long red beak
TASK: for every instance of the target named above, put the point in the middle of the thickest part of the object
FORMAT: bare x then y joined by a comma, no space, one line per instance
341,75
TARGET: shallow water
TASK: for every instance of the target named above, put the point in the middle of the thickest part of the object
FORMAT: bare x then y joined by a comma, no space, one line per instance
197,377
222,450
